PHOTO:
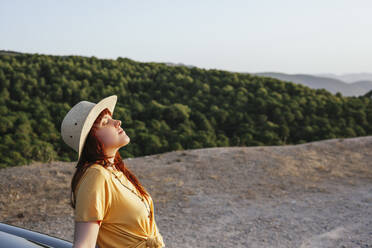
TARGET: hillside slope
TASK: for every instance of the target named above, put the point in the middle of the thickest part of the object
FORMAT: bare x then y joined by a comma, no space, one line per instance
164,108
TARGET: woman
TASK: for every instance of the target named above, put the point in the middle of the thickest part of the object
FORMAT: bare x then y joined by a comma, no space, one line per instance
111,207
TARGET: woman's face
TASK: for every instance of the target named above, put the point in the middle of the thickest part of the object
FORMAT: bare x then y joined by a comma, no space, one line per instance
111,134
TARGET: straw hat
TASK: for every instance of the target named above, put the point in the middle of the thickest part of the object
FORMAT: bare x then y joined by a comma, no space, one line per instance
79,120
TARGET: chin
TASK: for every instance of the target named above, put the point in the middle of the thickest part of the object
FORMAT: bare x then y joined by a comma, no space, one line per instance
126,141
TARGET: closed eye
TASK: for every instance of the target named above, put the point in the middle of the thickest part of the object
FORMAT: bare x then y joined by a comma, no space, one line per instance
106,121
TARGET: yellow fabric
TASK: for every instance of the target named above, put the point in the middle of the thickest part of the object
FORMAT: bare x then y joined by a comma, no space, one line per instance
125,221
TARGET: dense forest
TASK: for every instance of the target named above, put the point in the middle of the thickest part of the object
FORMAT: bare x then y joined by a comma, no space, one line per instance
163,107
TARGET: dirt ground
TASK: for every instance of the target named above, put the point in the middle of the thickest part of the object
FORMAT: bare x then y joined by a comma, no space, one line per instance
317,194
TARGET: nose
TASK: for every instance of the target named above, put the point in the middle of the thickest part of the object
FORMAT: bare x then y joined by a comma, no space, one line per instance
118,123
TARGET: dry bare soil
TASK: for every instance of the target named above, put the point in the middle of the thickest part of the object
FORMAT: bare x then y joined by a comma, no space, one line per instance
317,194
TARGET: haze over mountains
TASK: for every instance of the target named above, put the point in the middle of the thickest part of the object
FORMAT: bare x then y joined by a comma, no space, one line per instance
348,78
347,84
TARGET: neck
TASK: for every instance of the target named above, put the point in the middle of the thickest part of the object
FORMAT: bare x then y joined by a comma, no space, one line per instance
111,154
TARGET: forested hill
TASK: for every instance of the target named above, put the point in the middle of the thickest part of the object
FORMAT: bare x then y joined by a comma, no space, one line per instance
163,107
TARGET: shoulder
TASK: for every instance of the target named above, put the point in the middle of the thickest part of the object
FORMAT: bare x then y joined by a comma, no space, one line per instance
98,169
95,176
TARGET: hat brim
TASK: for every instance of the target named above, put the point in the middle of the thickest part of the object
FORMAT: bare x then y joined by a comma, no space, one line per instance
108,102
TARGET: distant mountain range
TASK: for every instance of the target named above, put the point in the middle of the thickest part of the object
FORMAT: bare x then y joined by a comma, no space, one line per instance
332,82
348,78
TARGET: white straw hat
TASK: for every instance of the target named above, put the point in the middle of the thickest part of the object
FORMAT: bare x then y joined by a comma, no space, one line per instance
79,120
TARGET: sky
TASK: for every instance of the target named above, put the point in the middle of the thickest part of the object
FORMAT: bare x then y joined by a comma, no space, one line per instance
289,36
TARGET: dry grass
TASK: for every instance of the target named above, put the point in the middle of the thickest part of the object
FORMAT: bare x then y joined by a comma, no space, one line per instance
39,191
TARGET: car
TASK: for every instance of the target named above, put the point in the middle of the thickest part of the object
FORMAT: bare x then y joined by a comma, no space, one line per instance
17,237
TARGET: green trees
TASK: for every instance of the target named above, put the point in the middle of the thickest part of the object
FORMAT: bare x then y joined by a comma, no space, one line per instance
176,113
164,108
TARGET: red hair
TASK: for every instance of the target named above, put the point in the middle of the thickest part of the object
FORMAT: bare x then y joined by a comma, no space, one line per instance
93,153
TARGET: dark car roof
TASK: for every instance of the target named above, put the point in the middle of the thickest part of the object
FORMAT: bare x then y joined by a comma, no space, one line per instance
13,236
10,240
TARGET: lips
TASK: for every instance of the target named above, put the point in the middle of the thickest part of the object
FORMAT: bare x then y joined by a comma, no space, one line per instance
121,131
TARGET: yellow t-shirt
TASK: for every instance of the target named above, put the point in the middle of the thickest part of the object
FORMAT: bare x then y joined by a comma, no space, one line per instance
125,221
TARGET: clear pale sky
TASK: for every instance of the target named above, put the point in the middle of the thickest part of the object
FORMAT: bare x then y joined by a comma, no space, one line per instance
290,36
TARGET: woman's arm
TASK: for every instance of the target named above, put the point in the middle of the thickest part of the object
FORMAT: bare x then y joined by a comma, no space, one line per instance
85,235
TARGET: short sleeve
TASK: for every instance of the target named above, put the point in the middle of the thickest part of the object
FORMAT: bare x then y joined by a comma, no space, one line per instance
92,196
